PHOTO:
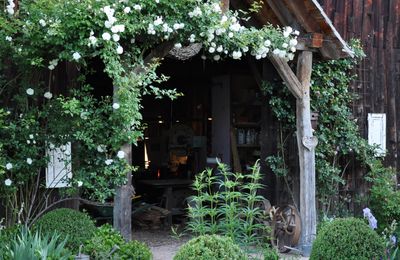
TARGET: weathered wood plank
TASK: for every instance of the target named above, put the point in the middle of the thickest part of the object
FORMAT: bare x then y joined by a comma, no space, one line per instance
306,145
287,75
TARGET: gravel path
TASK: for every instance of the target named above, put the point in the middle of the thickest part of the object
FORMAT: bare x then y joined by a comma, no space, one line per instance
164,246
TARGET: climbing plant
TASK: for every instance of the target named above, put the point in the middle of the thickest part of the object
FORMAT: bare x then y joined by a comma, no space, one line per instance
130,38
337,131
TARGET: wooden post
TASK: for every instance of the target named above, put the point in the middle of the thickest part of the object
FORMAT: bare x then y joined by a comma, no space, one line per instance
122,219
306,145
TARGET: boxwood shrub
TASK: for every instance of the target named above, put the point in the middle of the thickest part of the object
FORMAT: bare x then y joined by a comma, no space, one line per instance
107,243
75,225
210,247
347,238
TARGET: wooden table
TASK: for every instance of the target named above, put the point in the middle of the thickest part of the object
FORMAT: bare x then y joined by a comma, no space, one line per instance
167,186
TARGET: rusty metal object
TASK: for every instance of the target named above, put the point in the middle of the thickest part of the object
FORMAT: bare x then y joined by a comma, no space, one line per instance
286,228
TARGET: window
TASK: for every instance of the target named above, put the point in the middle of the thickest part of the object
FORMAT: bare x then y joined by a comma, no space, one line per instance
377,132
59,168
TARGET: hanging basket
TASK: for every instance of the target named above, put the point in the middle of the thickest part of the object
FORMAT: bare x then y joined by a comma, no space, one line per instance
185,52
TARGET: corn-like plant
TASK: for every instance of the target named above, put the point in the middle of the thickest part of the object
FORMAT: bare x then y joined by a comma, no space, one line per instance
228,203
34,246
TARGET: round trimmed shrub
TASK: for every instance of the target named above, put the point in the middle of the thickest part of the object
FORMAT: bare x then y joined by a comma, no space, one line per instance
75,225
106,240
210,247
134,250
347,238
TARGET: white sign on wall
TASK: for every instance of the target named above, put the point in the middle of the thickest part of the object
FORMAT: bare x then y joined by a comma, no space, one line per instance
59,168
377,132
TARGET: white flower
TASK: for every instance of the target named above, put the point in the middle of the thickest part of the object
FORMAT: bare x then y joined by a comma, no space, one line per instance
30,91
80,183
293,49
288,29
211,50
220,49
52,146
158,21
176,26
236,55
8,182
192,38
9,166
127,10
53,64
106,36
296,33
120,50
108,24
76,56
137,7
8,38
31,136
157,1
10,7
293,42
109,161
29,161
178,45
92,40
121,154
100,148
48,95
230,34
285,45
116,106
196,12
116,37
267,43
224,19
28,141
235,27
150,29
217,57
286,34
118,28
42,22
216,8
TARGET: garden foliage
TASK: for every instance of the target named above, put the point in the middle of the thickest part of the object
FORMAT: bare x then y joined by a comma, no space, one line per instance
107,243
227,203
41,38
347,238
70,224
210,247
35,246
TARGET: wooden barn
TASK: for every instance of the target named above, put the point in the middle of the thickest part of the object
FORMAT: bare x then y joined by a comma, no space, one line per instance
223,114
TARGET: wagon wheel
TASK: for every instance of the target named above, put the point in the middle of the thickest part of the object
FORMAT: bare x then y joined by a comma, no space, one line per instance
286,228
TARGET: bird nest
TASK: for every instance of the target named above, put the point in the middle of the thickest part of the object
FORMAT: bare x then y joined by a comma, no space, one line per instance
185,52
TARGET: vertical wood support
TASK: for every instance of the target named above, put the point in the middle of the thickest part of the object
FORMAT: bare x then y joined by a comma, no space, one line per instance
306,146
122,212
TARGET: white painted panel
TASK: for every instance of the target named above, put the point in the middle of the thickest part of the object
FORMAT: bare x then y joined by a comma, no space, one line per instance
377,132
59,169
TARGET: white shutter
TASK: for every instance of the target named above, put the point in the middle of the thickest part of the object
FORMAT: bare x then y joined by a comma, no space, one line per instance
59,169
377,132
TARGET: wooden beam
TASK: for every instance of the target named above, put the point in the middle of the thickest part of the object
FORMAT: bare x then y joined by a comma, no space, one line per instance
288,76
122,213
224,5
306,147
